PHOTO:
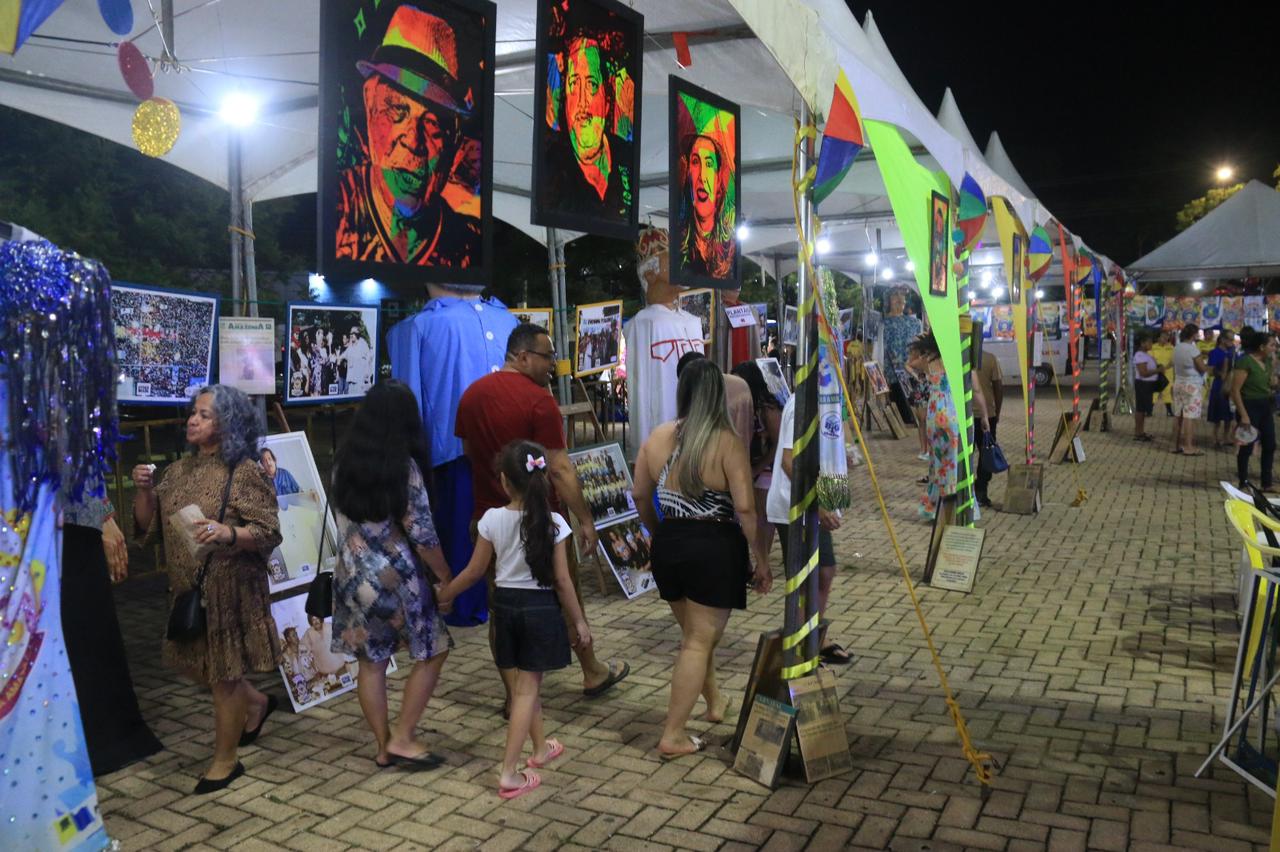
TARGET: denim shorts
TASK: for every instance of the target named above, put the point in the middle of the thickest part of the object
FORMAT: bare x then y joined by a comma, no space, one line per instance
529,630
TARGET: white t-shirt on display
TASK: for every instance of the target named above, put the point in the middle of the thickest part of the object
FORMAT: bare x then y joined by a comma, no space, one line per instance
1184,362
777,506
656,338
502,527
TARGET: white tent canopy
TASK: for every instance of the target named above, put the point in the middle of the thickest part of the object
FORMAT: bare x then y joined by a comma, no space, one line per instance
1238,239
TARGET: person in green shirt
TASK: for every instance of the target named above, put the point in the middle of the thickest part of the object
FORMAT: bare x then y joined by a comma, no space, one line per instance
1253,392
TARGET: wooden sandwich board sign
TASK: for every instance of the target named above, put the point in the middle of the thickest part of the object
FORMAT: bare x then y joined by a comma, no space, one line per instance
824,745
1022,495
766,741
956,567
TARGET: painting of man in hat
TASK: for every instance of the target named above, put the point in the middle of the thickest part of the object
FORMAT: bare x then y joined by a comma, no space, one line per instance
705,192
586,159
408,187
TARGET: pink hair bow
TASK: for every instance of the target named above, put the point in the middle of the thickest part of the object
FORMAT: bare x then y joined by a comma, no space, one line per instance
530,463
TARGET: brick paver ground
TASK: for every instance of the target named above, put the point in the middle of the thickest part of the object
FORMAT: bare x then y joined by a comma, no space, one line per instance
1092,659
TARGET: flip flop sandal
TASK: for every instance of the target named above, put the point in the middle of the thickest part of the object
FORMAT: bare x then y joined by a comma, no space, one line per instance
612,680
554,749
698,745
422,763
835,654
531,782
1196,453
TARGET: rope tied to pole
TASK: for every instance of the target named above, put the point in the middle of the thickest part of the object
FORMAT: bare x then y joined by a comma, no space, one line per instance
242,232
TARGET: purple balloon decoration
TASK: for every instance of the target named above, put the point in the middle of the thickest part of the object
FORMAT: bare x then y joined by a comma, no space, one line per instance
118,15
135,71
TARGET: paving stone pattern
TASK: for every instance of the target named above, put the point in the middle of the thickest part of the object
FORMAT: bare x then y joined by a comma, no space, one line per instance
1092,659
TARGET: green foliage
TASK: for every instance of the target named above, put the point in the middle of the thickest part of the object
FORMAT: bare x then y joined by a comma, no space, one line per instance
1196,209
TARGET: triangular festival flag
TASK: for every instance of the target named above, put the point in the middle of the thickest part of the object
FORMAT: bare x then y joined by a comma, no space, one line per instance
842,139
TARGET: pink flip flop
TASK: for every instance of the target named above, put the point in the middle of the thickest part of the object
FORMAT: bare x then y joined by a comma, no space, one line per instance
531,782
554,749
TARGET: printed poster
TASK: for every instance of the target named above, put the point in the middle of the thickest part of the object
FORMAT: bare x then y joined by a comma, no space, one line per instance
247,354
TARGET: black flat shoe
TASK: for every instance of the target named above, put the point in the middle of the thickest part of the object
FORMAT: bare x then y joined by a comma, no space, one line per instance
422,763
205,786
248,737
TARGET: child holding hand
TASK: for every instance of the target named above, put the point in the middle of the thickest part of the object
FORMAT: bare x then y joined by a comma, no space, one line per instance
526,542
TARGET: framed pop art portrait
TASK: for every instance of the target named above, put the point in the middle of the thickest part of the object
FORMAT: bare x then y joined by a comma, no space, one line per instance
599,339
164,343
406,140
544,317
705,187
303,510
586,134
331,352
939,219
698,303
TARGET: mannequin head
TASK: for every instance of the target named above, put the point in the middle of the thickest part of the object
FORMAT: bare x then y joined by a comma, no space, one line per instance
653,267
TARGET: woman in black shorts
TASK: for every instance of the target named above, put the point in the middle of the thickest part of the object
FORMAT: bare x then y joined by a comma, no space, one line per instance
700,560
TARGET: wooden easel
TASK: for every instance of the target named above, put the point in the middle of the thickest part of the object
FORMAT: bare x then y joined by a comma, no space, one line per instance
580,408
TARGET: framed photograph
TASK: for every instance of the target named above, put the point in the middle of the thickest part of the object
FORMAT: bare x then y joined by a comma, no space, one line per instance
939,229
846,324
397,211
698,303
762,315
790,327
544,317
586,140
247,354
606,481
705,187
775,379
875,376
312,673
599,338
1051,319
627,546
300,496
164,343
1019,253
766,741
332,352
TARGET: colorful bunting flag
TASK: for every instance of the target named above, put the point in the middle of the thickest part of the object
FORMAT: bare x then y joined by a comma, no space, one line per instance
1084,267
20,18
1039,254
971,215
842,139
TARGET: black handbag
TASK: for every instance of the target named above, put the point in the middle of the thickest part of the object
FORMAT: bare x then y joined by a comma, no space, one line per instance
187,620
991,456
1161,382
320,592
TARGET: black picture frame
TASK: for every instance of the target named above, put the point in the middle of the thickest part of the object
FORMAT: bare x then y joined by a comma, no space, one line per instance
1018,246
350,31
551,203
939,229
681,133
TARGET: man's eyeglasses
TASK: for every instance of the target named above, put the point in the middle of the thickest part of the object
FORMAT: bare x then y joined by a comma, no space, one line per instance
550,356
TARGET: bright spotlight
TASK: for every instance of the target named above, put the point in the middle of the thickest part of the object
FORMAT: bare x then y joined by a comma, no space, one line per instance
743,231
887,273
1225,173
1039,294
997,292
824,245
369,288
239,109
987,278
872,260
316,285
1197,285
911,267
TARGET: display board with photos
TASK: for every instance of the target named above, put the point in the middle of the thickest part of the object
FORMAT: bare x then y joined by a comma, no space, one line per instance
247,354
303,509
331,352
705,194
164,343
599,338
624,541
586,141
390,209
312,672
543,317
775,379
790,326
875,377
699,302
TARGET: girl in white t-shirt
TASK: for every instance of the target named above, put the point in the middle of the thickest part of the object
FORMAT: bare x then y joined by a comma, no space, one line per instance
526,542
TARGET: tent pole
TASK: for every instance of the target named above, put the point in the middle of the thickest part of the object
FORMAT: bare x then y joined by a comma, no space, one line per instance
234,188
555,275
250,258
781,308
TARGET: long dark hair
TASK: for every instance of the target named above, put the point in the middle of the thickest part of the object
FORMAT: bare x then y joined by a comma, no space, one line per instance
371,471
532,484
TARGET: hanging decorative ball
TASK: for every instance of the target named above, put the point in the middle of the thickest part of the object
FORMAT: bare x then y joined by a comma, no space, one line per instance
135,71
118,14
156,123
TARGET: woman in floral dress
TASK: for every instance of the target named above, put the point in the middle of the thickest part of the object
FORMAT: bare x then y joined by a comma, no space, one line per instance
943,427
382,596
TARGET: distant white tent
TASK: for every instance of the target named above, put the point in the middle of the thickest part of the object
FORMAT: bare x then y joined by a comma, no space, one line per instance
1239,238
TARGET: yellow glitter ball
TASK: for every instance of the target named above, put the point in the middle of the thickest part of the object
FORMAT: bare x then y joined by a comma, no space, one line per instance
156,124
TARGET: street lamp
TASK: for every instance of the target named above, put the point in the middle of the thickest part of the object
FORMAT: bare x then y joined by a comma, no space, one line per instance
1225,173
239,109
1197,285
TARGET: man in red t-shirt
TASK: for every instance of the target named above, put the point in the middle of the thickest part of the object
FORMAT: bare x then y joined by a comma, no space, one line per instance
515,404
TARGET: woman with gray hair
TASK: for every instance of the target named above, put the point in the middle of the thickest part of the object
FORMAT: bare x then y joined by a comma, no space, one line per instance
236,530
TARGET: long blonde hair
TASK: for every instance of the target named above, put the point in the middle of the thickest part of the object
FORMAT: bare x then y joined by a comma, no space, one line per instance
702,413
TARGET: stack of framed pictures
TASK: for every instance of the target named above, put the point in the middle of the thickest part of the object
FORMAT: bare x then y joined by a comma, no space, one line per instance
624,540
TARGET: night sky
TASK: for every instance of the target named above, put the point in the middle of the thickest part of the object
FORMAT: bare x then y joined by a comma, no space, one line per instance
1116,114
